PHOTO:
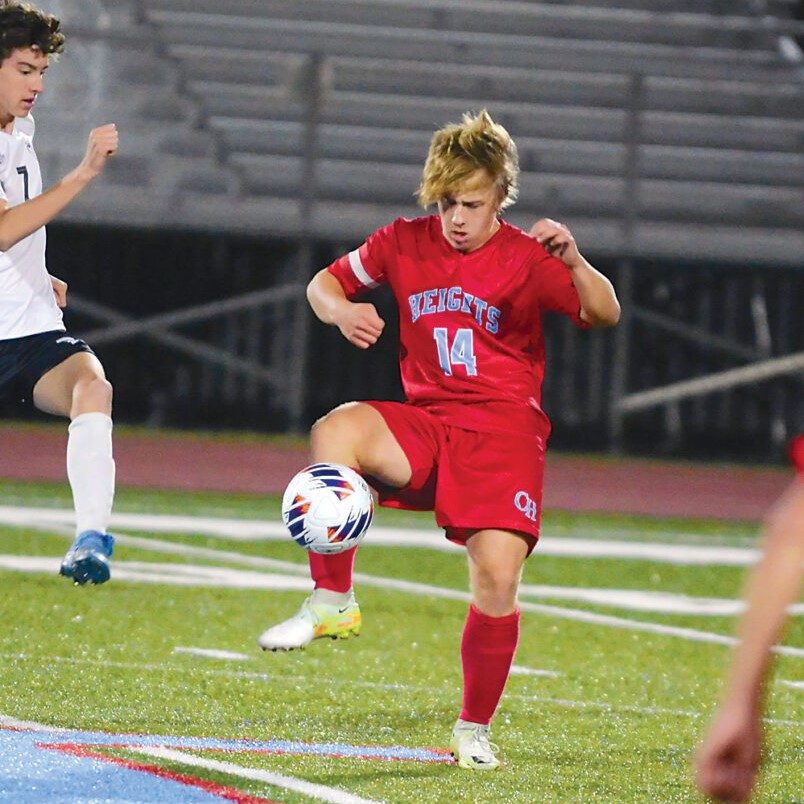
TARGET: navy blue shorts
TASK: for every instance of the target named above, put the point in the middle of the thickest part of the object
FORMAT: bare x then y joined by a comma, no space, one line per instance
23,361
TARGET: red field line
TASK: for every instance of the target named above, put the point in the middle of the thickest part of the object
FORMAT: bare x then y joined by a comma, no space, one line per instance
223,791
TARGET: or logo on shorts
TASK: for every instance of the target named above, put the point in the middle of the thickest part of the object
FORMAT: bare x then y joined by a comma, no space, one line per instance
524,503
68,339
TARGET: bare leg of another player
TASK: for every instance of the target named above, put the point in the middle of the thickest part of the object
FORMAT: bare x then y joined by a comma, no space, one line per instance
354,435
78,388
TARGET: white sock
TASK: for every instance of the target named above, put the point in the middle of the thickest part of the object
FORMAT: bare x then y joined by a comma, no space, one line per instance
90,470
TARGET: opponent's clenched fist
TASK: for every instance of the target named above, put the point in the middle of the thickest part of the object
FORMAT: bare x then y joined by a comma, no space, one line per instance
103,143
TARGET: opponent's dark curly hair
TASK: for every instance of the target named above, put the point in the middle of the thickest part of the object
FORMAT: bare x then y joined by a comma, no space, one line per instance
23,25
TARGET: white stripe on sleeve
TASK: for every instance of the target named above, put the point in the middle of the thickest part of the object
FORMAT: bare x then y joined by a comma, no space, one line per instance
359,271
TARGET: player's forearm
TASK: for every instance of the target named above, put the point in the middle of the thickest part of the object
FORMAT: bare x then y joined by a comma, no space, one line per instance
16,223
772,587
599,305
759,631
326,296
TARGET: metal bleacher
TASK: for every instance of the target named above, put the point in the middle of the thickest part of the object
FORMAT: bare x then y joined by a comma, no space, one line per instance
666,133
662,128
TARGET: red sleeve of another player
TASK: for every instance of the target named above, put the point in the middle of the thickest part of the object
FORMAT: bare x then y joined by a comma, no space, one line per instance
555,288
365,267
797,453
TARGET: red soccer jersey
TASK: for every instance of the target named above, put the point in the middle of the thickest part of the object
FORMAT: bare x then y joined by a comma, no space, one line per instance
471,341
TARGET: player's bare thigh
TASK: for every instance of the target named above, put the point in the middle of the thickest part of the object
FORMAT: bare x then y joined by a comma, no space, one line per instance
355,434
76,385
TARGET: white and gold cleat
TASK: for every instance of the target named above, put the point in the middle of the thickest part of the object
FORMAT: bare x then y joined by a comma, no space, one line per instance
315,619
471,747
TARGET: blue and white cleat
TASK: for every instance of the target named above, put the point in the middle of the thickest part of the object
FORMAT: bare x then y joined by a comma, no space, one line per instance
87,560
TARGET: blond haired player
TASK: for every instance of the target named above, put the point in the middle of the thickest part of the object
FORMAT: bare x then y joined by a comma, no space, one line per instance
469,441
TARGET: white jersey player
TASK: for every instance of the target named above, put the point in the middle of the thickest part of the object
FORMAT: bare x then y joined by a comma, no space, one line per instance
40,363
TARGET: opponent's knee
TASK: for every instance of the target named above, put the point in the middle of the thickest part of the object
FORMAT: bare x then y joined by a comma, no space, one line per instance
93,393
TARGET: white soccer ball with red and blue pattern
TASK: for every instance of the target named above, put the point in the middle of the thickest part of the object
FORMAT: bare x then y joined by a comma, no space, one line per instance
327,508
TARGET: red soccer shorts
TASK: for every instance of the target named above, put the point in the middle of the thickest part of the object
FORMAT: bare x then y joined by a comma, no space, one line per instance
472,481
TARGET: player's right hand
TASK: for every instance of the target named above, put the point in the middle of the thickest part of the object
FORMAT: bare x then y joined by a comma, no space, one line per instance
726,764
361,324
102,143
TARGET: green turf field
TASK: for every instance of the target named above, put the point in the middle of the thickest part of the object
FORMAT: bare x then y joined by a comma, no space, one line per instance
607,713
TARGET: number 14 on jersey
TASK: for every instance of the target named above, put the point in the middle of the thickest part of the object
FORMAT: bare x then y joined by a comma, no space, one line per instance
460,353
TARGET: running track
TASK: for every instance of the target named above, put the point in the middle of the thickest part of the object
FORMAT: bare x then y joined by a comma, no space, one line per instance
261,466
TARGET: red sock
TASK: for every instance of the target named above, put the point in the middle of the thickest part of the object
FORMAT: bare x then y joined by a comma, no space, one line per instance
333,572
487,651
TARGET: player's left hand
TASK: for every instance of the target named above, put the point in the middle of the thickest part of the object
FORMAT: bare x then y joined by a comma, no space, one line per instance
557,240
103,143
59,290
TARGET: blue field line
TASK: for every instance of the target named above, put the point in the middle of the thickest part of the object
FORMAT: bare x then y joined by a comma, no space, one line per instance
31,775
99,738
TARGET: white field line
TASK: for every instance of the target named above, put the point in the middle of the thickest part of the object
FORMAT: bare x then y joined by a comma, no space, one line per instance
199,575
29,725
425,589
411,689
411,587
168,669
172,574
578,615
255,530
518,670
603,706
796,685
213,653
319,792
185,576
683,554
642,600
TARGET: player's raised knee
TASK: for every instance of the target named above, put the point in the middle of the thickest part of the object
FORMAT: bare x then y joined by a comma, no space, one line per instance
340,426
94,393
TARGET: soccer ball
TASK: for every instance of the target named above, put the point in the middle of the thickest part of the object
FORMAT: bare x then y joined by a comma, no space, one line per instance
327,508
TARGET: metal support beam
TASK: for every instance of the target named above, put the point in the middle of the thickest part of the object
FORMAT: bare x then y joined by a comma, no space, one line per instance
180,343
314,85
193,314
702,337
625,275
722,380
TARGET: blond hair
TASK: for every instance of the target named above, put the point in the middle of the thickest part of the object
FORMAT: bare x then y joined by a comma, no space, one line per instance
459,150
